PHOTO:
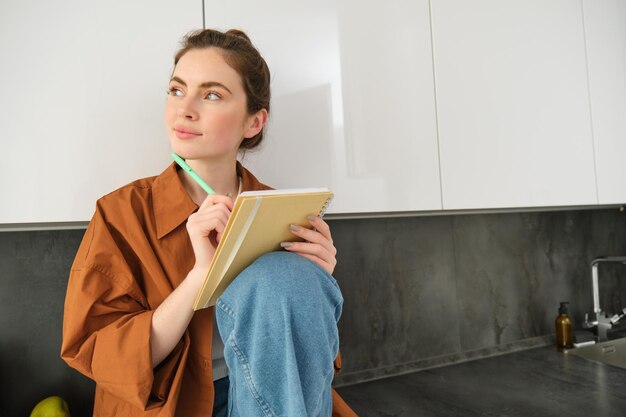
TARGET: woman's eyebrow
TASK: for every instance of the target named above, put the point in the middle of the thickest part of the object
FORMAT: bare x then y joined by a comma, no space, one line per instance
206,84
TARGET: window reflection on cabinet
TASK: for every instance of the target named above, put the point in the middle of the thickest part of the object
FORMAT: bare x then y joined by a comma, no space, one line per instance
353,99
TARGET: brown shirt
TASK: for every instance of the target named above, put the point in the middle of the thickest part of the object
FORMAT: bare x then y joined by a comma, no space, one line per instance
135,252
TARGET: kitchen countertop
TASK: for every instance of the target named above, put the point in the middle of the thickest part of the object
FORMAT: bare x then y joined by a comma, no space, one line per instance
535,382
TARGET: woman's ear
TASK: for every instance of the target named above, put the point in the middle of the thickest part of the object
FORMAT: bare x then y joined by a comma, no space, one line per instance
255,123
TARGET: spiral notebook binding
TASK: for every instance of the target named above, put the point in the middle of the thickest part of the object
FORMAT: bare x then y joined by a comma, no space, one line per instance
325,207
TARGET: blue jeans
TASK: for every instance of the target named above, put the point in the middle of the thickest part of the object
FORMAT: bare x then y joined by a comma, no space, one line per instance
278,320
220,405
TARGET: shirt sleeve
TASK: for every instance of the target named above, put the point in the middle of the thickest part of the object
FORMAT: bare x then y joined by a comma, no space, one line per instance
107,323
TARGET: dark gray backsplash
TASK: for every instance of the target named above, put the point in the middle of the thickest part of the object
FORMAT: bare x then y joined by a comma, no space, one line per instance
34,269
426,287
419,291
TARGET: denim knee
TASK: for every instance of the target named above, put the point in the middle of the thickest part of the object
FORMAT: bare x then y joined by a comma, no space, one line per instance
285,277
287,274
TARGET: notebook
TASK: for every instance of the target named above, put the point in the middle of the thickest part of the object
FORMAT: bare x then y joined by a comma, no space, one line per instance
258,223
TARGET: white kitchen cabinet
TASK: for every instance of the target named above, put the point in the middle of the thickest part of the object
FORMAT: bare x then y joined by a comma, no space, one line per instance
82,105
506,116
353,99
605,27
513,104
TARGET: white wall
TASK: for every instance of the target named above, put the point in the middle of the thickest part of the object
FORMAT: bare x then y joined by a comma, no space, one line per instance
82,104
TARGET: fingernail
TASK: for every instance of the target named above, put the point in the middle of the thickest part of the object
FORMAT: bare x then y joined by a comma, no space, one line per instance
312,218
294,228
285,244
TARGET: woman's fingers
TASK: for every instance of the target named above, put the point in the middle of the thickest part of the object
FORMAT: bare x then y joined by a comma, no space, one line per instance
317,246
319,262
314,252
211,218
205,227
213,199
321,226
315,236
314,249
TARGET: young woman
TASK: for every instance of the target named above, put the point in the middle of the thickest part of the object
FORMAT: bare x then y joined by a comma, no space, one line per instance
129,323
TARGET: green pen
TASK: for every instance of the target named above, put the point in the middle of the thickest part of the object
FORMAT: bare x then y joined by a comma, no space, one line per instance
180,161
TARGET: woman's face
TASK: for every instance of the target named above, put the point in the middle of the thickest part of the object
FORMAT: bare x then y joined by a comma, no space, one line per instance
205,113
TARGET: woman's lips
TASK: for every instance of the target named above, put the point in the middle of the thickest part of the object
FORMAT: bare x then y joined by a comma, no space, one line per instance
183,132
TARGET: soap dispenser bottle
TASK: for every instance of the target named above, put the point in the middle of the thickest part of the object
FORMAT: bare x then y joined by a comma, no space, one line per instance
564,332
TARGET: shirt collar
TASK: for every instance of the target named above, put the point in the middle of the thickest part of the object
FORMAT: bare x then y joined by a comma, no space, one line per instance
171,203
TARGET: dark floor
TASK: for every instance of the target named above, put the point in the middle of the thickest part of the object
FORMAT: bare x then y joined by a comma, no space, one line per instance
535,382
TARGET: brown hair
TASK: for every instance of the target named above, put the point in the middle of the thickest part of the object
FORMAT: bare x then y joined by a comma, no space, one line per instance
244,58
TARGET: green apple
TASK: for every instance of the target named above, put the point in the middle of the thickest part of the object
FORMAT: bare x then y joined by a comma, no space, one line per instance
51,407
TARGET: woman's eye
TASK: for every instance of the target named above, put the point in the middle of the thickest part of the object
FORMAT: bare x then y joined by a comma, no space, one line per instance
173,91
213,96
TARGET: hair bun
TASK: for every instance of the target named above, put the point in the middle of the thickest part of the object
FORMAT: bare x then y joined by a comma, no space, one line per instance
238,33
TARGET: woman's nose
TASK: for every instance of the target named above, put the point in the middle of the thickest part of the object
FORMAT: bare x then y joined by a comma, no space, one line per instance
187,109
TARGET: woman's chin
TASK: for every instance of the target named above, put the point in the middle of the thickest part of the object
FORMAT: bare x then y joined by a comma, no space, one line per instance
185,151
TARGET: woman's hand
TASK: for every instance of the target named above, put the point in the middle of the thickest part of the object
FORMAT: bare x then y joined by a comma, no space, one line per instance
318,246
205,228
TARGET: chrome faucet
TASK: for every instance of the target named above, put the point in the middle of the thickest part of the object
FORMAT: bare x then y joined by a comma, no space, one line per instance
602,321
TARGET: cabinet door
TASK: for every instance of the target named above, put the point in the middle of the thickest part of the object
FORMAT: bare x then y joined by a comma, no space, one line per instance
82,108
605,27
352,99
513,104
